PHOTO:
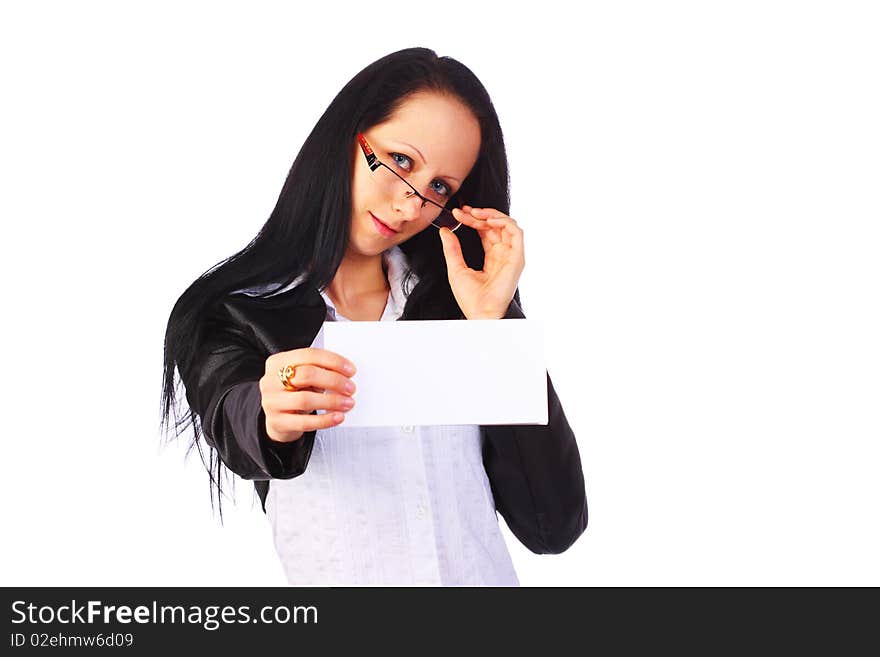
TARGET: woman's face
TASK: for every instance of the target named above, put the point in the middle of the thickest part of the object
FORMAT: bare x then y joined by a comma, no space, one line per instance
432,140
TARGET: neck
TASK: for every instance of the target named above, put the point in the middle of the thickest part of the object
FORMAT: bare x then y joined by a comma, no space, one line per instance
356,277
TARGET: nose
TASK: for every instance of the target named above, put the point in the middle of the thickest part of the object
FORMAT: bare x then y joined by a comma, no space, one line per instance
408,206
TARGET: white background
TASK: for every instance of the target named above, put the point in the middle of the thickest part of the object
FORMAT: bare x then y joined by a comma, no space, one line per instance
698,185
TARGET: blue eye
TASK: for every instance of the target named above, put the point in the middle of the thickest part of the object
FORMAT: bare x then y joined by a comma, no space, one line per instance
402,157
443,187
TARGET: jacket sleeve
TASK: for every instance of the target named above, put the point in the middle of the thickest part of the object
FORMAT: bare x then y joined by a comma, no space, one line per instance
536,476
222,388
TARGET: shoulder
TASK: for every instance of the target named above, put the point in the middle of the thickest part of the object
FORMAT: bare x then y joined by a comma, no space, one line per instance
278,322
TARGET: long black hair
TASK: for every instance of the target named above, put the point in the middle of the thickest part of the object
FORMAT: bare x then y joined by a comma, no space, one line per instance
308,231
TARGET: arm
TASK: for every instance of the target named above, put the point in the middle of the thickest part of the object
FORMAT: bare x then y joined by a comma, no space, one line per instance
536,476
222,388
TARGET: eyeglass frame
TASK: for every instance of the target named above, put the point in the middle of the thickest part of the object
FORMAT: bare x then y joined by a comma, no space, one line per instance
374,163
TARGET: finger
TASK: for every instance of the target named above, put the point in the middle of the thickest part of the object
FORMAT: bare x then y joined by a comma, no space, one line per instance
452,251
487,213
469,220
502,226
314,356
511,233
312,376
307,401
489,236
291,423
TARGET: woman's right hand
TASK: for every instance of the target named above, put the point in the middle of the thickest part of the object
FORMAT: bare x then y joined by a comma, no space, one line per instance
322,382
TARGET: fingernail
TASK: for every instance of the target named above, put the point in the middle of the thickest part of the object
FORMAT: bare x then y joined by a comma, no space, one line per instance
349,387
347,403
338,417
349,369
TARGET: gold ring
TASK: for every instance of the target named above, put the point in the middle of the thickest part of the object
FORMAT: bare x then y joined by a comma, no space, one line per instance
286,374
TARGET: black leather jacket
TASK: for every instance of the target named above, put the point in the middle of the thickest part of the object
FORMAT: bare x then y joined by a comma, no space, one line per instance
534,470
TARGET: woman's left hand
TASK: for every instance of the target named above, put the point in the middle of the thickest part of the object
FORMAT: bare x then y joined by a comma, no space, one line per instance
485,294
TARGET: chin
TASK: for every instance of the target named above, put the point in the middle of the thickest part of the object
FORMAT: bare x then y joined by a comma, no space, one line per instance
364,246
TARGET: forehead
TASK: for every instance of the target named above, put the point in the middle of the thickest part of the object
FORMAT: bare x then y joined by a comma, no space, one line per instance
442,128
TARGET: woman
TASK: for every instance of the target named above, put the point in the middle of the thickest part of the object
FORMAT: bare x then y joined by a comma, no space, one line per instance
395,208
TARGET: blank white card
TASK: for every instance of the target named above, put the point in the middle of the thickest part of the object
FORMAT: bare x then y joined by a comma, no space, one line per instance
443,371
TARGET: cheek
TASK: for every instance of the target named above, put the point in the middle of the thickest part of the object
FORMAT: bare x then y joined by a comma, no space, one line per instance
419,227
358,190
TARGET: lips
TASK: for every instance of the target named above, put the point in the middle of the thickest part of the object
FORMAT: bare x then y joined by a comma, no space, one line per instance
382,227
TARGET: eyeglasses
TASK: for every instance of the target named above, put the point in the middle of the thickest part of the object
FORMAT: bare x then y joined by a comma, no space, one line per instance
433,202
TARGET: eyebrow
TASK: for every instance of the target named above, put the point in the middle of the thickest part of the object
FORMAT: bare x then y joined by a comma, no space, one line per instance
425,161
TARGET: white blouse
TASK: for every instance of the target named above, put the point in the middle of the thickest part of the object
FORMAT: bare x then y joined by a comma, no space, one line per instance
389,506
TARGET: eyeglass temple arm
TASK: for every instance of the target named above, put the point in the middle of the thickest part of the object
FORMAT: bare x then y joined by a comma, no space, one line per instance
372,161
